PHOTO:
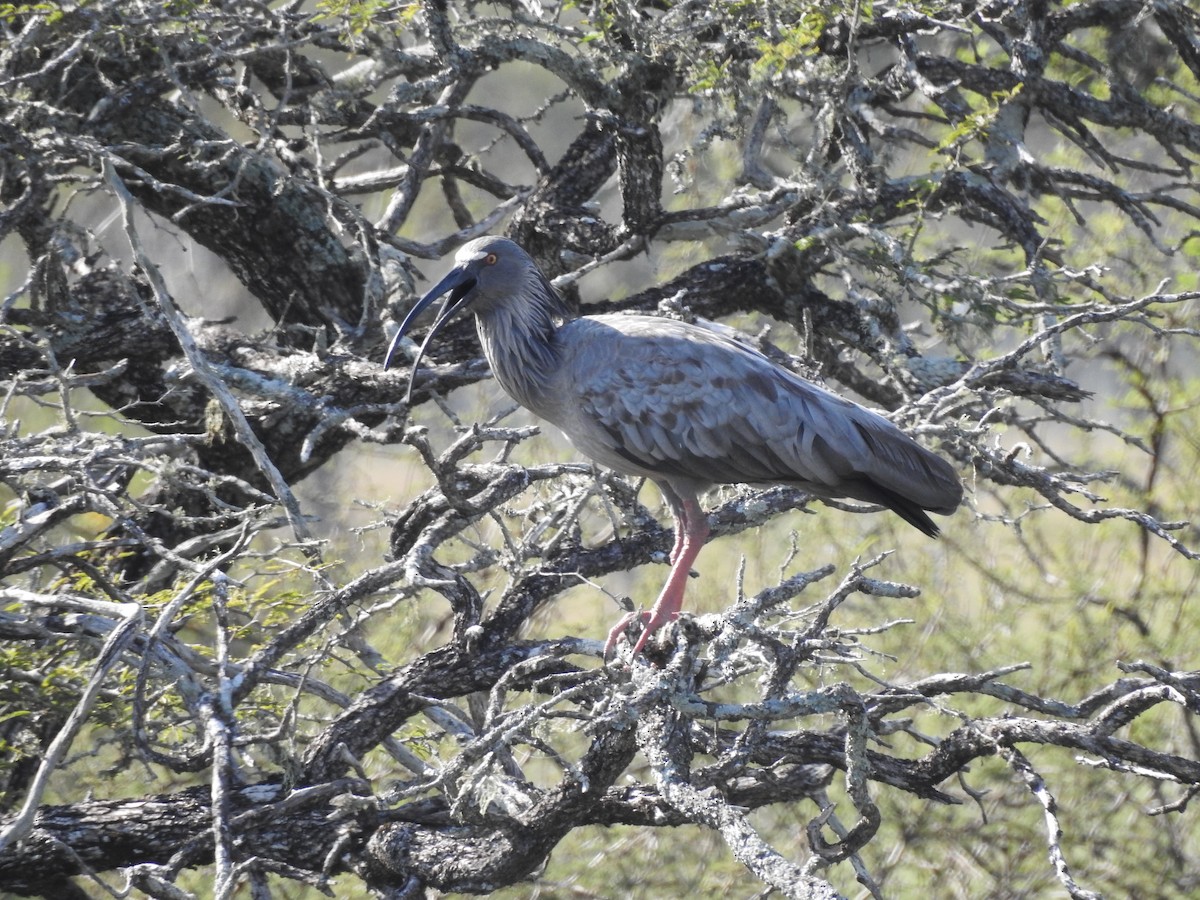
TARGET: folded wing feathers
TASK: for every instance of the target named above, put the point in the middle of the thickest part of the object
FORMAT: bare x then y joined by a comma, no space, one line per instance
685,402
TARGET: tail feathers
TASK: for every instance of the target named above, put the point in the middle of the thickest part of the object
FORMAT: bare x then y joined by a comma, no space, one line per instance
905,473
910,511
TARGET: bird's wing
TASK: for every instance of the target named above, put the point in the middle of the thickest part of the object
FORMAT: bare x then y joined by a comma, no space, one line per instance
680,401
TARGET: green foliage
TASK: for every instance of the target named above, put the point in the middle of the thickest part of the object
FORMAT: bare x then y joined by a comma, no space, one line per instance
796,40
359,16
895,223
976,125
11,11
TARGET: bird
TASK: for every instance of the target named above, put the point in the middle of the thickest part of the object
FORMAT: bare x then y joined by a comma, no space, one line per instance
684,405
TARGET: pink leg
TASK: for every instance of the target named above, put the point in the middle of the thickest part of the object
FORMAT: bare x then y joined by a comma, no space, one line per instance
691,530
679,537
679,514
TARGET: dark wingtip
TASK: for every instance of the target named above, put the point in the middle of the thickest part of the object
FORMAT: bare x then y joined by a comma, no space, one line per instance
928,526
910,512
918,518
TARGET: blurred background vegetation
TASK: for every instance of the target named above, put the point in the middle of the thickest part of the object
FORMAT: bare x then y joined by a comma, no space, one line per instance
1108,193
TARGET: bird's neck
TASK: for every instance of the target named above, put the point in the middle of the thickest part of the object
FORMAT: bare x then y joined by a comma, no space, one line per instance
519,342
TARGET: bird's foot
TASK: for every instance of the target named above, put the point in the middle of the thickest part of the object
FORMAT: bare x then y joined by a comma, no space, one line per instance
651,622
617,630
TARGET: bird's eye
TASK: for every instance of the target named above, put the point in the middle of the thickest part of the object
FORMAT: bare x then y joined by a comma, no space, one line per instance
491,259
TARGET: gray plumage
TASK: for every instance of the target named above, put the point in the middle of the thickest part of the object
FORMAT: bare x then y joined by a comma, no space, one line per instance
683,405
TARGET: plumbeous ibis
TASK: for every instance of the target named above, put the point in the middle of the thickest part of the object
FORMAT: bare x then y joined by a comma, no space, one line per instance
683,405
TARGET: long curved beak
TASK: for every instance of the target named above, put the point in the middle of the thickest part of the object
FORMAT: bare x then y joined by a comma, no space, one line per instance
459,281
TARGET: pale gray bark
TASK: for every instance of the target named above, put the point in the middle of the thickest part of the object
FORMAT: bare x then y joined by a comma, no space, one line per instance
266,135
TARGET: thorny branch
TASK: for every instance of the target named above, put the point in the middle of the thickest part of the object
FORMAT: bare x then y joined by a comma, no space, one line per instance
869,189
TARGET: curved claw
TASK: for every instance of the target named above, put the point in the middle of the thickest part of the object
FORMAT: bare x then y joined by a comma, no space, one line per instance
615,633
652,621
